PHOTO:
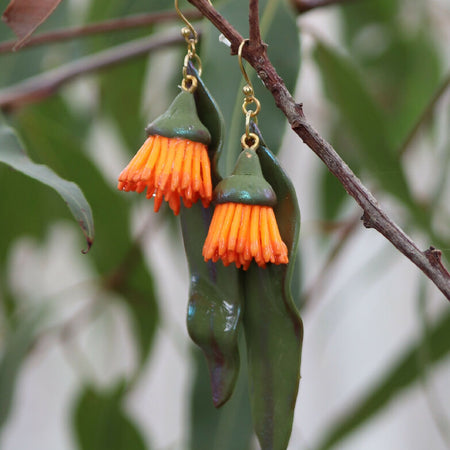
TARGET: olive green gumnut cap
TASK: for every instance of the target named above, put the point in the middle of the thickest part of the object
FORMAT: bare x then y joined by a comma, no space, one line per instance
247,184
180,121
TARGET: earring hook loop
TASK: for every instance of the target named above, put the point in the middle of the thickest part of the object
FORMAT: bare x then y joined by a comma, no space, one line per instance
188,24
241,65
249,140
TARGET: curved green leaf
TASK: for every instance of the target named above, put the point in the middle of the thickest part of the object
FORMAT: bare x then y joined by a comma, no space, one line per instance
273,328
230,427
214,310
16,349
101,423
365,118
12,154
406,370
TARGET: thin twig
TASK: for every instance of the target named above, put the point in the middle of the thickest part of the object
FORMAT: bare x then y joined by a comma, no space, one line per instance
124,23
427,112
253,19
428,261
303,6
42,86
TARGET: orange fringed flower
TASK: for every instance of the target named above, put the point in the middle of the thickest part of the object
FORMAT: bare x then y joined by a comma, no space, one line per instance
240,232
172,169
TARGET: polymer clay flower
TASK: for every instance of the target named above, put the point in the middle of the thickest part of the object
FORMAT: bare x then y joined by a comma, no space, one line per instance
173,163
244,226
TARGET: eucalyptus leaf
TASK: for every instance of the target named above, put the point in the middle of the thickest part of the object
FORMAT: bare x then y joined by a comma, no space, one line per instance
24,16
214,310
273,328
404,71
101,423
405,371
365,119
13,154
229,427
125,81
16,347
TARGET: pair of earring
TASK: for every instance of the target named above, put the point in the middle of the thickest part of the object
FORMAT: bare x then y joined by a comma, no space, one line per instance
173,165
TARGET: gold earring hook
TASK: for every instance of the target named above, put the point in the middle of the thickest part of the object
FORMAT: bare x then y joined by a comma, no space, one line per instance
249,140
188,24
241,65
248,88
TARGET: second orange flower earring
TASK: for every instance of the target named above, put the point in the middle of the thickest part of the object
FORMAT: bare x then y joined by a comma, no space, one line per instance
173,163
244,226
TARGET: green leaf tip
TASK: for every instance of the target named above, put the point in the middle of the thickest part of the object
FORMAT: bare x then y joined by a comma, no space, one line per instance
213,322
12,154
215,300
180,121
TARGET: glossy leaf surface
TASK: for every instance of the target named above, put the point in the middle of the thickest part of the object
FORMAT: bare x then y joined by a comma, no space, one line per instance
229,427
12,154
273,328
214,309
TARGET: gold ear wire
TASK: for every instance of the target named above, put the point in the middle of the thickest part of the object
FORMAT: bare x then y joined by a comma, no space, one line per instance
248,140
188,24
189,82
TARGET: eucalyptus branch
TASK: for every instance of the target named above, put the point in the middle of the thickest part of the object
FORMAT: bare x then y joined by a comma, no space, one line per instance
429,261
253,19
124,23
303,6
42,86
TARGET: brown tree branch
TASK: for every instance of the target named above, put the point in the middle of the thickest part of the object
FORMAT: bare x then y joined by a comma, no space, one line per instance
42,86
428,261
253,19
303,6
124,23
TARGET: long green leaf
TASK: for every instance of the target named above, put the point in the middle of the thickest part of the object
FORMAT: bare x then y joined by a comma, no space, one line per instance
14,353
229,427
214,310
406,371
13,154
101,423
364,118
273,328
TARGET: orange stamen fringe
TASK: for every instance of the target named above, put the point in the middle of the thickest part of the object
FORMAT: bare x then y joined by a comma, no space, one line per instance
172,169
239,233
